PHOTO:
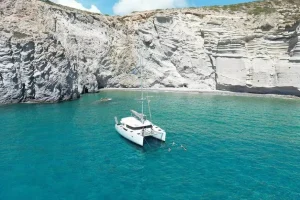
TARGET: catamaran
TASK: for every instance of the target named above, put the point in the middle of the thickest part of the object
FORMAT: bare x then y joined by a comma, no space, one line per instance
137,127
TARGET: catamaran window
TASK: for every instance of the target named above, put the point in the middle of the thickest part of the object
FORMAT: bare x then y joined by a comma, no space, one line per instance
138,128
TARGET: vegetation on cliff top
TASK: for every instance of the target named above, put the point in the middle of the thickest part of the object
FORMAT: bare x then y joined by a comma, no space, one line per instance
49,2
253,8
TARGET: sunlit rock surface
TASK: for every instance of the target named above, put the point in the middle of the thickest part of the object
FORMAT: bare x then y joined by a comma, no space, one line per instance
51,53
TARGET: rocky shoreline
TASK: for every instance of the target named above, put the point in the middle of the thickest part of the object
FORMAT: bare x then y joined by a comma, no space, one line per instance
208,92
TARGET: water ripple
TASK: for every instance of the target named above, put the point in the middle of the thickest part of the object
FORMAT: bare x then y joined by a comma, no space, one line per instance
237,148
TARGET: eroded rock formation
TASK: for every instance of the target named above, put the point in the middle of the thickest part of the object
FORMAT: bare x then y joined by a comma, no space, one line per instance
52,53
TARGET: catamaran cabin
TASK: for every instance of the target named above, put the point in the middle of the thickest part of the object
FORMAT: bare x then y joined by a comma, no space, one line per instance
134,124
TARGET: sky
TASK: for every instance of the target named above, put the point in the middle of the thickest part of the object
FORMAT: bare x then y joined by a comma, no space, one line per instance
123,7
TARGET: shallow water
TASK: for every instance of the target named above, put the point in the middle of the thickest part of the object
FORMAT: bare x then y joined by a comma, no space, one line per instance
237,148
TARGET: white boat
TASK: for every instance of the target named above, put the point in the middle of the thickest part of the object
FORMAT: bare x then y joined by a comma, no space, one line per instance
137,127
105,99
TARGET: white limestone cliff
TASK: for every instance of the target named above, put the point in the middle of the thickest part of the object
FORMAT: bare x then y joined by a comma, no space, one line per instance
51,53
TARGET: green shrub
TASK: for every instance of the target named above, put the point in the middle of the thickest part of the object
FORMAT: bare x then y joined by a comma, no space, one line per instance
261,10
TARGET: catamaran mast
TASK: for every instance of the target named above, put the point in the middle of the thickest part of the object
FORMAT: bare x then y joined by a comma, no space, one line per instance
142,87
148,101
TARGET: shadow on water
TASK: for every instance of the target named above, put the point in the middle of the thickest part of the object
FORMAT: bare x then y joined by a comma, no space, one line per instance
151,143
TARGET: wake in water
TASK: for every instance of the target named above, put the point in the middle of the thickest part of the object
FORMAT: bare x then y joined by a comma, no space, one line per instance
153,144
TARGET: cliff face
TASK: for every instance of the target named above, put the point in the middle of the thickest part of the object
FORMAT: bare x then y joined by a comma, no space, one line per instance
52,53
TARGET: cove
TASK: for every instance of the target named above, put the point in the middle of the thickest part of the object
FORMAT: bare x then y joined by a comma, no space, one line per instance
237,148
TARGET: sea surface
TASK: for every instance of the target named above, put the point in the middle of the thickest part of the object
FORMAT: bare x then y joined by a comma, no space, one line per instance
236,148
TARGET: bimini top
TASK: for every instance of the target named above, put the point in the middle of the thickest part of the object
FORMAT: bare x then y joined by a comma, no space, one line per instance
135,123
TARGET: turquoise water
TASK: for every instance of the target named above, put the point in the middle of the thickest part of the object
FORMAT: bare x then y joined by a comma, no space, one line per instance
237,148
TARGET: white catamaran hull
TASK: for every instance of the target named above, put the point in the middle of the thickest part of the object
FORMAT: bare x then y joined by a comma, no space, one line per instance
159,133
133,137
160,136
137,136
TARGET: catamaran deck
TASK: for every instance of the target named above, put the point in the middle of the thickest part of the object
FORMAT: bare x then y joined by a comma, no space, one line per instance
135,123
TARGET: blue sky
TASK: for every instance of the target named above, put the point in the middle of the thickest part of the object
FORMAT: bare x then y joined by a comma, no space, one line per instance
105,6
121,7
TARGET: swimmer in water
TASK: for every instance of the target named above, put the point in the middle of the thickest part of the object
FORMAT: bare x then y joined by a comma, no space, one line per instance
169,149
183,147
173,144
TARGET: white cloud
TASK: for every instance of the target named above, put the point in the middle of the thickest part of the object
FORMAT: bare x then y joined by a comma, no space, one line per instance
75,4
123,7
